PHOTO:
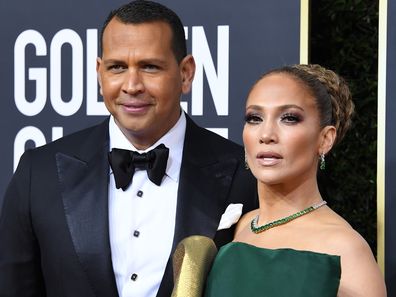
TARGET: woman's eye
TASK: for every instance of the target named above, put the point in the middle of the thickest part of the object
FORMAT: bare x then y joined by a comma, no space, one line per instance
253,119
290,118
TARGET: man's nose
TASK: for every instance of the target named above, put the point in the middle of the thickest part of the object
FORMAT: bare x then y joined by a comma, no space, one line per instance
133,82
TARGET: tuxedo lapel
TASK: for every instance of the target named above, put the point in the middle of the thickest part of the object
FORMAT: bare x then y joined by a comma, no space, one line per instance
84,181
204,184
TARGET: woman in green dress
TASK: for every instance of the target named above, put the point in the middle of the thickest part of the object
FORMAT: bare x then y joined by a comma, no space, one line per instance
294,244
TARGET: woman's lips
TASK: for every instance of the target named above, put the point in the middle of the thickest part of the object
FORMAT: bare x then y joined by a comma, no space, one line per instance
268,158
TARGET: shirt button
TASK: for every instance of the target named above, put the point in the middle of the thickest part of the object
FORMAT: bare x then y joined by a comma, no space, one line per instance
136,233
134,276
139,193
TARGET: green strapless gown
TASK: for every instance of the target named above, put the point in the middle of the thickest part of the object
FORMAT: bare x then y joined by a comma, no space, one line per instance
243,270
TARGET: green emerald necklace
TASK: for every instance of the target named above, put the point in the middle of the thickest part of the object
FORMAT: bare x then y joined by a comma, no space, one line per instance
258,229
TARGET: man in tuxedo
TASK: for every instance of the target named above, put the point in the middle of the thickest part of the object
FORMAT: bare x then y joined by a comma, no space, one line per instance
83,216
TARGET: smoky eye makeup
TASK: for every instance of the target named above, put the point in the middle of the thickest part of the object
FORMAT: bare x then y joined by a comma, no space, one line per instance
253,118
291,118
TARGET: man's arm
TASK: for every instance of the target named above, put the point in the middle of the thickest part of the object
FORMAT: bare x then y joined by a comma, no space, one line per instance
20,270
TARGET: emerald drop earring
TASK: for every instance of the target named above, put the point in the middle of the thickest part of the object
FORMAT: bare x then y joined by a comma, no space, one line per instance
246,163
322,162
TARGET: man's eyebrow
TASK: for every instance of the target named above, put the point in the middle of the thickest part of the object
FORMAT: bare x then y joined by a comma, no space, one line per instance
112,61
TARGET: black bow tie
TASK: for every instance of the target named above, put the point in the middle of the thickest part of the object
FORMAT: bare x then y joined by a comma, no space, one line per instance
124,162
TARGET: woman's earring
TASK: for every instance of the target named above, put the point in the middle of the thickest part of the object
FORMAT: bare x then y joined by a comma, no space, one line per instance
246,163
322,162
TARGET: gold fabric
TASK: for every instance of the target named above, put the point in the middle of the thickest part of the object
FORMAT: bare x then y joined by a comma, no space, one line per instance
192,261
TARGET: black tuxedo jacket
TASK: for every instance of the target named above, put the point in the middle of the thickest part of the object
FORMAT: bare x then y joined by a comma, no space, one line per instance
54,234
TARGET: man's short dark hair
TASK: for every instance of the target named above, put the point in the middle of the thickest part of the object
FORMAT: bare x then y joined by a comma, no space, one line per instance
143,11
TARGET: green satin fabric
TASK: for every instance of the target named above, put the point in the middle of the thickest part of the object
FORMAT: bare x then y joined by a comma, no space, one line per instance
243,270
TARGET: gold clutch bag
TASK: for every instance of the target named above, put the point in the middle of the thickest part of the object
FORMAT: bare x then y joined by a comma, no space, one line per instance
192,260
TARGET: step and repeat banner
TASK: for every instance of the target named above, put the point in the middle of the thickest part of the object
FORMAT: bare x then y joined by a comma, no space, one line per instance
387,142
49,84
48,64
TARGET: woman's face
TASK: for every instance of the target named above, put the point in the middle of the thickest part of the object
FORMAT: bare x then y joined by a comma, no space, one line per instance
282,133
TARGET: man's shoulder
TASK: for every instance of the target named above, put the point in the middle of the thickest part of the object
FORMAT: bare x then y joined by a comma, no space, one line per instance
202,136
76,139
222,143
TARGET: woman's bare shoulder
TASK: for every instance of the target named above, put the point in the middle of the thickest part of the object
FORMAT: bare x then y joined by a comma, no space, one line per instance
360,275
340,236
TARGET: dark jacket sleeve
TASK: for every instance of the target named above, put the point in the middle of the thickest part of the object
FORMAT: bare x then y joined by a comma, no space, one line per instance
20,272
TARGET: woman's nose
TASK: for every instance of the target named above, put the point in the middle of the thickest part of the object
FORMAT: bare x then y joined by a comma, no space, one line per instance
268,132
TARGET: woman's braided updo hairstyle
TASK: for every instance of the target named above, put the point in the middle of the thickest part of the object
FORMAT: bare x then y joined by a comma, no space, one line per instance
331,92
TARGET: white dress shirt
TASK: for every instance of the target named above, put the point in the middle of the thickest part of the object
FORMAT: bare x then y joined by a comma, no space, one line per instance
142,218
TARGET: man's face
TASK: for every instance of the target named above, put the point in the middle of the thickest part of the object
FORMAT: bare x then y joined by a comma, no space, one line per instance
141,81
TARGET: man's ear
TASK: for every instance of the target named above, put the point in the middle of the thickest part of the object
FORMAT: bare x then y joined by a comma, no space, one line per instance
327,138
187,69
98,64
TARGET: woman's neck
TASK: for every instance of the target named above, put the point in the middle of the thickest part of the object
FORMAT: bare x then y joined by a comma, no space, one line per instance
278,201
